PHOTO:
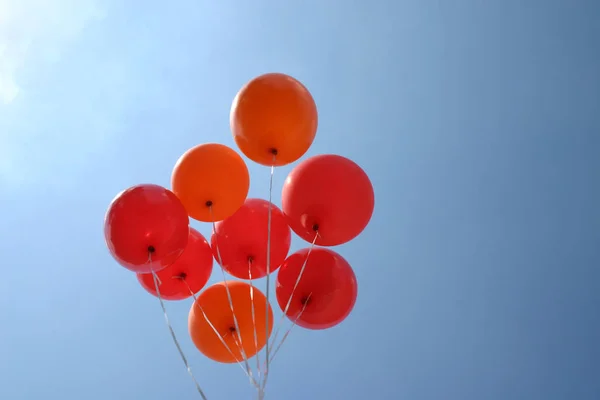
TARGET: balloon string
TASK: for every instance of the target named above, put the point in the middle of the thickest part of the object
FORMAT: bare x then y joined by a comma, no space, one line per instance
291,327
235,320
289,302
221,338
234,336
173,336
267,350
254,319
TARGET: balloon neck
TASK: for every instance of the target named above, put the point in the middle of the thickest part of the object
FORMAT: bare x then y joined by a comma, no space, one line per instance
305,300
310,223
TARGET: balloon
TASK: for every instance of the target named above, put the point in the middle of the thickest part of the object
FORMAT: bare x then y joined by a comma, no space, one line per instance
242,238
273,115
146,228
187,275
211,176
215,303
329,194
328,287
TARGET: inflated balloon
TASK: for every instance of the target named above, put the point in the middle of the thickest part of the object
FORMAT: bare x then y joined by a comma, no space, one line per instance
273,115
329,194
241,240
146,228
185,276
214,301
211,180
326,291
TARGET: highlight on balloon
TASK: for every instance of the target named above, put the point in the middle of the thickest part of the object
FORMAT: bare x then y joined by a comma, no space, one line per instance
327,200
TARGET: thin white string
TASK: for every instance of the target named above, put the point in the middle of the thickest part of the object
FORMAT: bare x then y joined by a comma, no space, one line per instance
267,352
254,321
173,336
235,320
234,336
289,302
291,327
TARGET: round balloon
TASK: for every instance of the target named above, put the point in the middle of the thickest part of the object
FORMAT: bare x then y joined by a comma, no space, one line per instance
329,194
185,276
211,180
146,228
326,291
273,119
215,303
241,240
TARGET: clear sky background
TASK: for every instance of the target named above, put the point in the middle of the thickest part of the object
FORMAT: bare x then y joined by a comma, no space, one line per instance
477,121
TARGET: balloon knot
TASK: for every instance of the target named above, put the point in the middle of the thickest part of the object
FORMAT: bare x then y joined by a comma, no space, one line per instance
273,151
315,227
209,203
151,249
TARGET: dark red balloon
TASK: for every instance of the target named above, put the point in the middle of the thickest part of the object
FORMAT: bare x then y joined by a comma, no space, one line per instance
185,276
331,194
243,237
146,220
328,287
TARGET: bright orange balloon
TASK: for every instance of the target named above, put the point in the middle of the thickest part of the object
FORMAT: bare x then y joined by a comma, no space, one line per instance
215,303
209,176
273,119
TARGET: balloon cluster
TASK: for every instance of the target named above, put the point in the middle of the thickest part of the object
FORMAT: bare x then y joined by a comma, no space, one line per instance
327,200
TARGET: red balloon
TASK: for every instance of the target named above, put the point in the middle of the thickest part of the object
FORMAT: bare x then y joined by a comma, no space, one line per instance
146,228
329,194
327,287
242,238
185,276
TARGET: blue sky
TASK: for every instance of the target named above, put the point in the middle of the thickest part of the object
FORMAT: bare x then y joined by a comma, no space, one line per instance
478,123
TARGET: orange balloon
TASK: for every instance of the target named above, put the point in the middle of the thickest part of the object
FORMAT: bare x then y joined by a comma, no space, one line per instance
211,176
215,303
273,119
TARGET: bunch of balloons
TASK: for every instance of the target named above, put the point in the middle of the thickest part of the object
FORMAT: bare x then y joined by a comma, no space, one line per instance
327,200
